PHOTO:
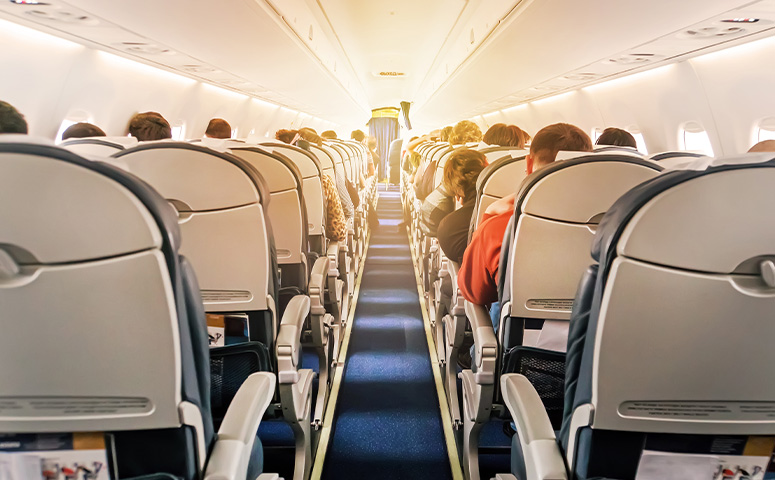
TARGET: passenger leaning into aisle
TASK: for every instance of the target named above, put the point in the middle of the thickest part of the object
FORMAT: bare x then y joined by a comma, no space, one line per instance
440,202
478,275
460,174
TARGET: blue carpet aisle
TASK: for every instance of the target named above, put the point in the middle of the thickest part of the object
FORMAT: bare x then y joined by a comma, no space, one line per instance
388,424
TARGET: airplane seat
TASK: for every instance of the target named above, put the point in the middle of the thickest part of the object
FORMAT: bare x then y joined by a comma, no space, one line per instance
546,250
223,211
670,336
100,148
91,275
676,159
496,181
616,149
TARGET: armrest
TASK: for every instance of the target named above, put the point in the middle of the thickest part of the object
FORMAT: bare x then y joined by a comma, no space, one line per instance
543,460
289,339
231,452
485,342
500,476
317,285
333,255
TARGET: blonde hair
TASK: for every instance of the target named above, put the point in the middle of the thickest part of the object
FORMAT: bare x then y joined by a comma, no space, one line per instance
464,132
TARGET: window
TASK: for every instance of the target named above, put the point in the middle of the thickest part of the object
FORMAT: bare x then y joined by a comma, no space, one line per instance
694,138
766,130
639,140
234,132
179,132
70,120
596,132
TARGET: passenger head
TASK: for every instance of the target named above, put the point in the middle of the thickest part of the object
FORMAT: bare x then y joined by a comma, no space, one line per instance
465,131
11,121
329,135
550,140
357,135
444,134
82,130
504,136
763,146
461,171
286,136
616,137
311,136
149,126
218,128
371,142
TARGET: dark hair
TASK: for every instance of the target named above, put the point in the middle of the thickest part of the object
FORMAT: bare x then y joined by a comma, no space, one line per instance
148,126
11,121
311,136
357,135
559,136
504,135
218,128
286,136
329,135
617,137
461,171
82,130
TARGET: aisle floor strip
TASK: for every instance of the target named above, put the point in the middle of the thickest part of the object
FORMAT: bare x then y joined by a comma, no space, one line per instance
328,419
446,419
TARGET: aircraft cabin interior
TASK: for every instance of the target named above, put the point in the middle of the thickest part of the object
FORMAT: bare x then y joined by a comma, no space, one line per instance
351,239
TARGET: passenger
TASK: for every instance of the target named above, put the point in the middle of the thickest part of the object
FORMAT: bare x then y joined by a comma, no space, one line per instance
411,158
445,133
82,130
478,274
465,131
616,137
763,146
218,128
504,135
329,135
11,121
149,126
358,136
460,174
286,136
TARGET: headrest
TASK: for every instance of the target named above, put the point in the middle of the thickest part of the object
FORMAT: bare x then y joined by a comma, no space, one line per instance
119,143
680,217
82,211
558,197
163,163
308,163
485,174
658,157
278,171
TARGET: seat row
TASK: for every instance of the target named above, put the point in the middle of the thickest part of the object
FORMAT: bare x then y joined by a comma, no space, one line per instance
98,255
597,357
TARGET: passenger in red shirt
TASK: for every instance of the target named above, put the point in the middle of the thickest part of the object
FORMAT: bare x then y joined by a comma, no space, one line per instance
478,273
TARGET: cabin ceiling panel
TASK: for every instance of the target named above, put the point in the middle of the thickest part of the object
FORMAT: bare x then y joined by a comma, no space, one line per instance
547,39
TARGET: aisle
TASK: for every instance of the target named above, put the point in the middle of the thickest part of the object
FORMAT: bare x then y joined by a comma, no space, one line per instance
388,424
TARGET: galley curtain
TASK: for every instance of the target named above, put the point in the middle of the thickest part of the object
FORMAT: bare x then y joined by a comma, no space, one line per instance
385,130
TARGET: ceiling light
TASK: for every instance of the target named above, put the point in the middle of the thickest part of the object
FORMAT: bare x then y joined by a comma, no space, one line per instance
61,16
633,58
545,88
581,76
198,69
143,48
711,32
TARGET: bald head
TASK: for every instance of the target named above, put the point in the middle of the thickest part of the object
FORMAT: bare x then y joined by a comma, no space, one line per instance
763,146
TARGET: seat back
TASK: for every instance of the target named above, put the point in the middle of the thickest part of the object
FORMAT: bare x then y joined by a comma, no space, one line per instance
288,214
675,159
221,202
499,179
557,210
98,146
671,339
104,333
311,172
326,160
